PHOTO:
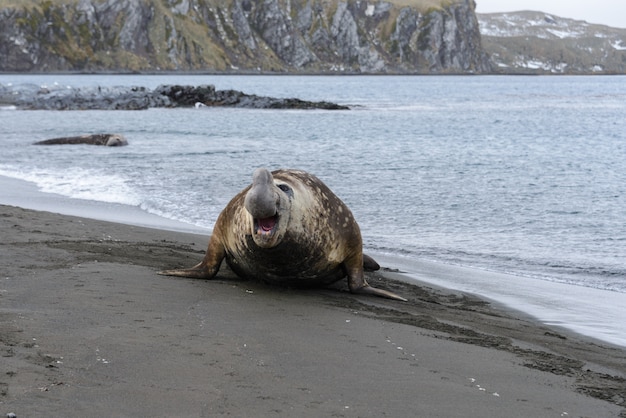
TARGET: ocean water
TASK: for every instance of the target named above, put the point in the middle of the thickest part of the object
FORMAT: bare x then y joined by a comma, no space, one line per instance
520,176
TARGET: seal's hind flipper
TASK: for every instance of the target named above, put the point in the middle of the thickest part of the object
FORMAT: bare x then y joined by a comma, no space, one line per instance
379,292
356,280
369,264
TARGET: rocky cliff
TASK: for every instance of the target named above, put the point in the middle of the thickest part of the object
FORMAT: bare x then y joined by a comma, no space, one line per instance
356,36
537,43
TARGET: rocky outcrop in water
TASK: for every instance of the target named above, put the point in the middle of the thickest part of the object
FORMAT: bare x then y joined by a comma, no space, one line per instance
308,36
30,96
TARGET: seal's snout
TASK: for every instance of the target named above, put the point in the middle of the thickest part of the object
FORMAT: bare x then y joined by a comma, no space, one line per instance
262,199
263,203
116,141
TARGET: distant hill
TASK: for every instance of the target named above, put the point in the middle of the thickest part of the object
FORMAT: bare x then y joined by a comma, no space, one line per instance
536,42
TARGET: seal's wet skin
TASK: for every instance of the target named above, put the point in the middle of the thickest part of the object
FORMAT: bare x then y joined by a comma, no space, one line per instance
107,140
288,228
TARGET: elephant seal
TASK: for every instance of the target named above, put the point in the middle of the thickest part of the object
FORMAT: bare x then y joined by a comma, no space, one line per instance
109,140
288,228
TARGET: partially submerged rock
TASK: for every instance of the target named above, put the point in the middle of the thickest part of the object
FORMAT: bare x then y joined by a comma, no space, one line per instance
30,96
207,95
108,140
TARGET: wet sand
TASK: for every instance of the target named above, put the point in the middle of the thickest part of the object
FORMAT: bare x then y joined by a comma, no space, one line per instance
87,328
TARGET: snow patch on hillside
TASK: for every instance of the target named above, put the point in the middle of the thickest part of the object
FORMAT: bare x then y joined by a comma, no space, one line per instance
537,42
536,24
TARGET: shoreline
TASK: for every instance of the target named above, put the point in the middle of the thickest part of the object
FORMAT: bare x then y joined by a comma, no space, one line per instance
556,304
25,194
561,305
87,327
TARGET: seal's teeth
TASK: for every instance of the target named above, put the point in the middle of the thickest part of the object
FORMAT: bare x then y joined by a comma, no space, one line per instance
263,232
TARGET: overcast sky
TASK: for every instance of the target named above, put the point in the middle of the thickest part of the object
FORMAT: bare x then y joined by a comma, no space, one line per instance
606,12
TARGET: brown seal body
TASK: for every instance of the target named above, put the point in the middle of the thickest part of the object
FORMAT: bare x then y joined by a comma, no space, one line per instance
109,140
287,228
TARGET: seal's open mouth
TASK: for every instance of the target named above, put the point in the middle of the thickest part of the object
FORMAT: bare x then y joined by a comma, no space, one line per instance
265,226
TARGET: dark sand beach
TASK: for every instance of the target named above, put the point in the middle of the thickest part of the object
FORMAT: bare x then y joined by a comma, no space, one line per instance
87,328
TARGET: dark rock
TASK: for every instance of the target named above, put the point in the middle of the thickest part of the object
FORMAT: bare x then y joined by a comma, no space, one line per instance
207,95
187,95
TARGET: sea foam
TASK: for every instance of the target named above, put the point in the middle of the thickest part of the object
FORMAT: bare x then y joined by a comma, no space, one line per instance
78,183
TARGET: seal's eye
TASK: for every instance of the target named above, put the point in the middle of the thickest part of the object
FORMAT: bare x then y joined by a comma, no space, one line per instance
285,189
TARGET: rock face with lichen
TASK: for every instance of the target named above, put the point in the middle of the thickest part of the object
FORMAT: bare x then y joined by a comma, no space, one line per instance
306,36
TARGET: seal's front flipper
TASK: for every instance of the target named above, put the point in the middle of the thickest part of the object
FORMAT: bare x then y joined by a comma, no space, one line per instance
200,271
367,289
207,268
